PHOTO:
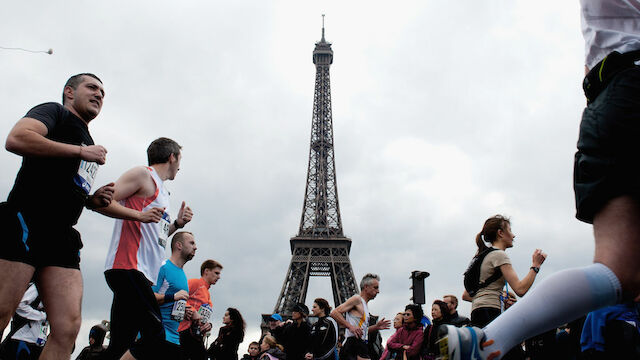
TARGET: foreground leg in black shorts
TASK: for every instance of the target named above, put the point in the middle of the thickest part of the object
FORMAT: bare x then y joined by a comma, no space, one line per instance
193,346
134,310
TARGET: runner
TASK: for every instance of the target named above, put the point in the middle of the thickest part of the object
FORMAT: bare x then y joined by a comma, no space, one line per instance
357,319
137,249
59,165
29,329
192,329
607,189
171,291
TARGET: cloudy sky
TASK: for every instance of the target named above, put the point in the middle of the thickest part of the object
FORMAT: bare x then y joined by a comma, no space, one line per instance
445,113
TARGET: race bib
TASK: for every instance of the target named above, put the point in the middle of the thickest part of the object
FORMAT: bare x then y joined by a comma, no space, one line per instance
163,232
87,172
205,313
178,310
43,333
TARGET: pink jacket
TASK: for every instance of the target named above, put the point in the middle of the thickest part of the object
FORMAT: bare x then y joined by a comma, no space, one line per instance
404,336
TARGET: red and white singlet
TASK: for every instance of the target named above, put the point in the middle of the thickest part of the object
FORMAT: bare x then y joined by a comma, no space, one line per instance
141,246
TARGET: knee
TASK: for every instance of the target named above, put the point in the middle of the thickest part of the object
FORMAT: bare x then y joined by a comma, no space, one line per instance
66,330
6,312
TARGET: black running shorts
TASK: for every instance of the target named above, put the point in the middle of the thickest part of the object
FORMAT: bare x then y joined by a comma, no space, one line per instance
608,151
354,347
35,241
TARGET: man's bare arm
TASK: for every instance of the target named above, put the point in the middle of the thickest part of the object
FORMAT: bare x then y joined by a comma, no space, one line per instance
28,138
382,324
129,184
347,306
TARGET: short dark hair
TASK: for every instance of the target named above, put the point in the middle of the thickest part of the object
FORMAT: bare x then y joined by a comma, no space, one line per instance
161,149
76,80
97,333
209,264
178,238
254,343
416,310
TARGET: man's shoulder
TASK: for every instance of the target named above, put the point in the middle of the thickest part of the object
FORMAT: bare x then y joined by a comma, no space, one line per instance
48,113
140,171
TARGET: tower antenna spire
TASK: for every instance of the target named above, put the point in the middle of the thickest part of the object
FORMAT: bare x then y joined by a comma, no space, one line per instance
322,28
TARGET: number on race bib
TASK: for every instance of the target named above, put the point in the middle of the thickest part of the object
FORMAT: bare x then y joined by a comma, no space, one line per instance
86,175
163,231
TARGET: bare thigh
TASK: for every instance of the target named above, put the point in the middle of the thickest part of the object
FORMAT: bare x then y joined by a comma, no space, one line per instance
15,279
61,292
617,233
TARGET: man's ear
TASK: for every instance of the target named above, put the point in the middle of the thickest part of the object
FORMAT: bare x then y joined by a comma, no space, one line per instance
68,92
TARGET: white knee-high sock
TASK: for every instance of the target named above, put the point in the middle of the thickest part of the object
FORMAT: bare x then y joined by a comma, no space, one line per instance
560,298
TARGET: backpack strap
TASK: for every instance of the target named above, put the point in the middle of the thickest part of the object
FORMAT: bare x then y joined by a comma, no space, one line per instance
495,276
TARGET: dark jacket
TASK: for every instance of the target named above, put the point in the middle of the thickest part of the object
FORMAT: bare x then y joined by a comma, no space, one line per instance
249,357
225,347
89,353
457,320
323,338
430,336
275,352
294,338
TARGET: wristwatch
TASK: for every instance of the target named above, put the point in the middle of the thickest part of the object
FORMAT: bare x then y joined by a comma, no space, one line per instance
535,268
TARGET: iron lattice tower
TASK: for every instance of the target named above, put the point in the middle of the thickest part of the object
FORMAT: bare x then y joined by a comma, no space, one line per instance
320,248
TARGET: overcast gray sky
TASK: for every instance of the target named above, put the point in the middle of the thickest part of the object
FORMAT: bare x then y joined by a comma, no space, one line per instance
445,113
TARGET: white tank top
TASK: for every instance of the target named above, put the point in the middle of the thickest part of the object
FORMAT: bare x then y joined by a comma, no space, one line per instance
359,322
141,246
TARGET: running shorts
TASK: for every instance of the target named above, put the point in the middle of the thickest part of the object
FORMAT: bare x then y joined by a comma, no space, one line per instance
33,240
608,151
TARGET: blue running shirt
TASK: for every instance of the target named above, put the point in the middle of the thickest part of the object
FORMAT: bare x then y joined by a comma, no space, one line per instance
171,279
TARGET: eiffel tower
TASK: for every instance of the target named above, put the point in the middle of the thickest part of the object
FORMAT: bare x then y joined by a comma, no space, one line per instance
320,247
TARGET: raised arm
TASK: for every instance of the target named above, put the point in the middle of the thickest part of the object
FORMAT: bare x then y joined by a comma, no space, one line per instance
28,138
520,287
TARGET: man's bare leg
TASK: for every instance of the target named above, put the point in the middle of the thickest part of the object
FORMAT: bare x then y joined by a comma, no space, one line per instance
617,232
127,356
61,292
15,279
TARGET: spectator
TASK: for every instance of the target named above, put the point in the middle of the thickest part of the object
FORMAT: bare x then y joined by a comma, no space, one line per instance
439,317
253,351
29,328
407,341
397,324
225,347
95,349
324,333
294,335
271,350
455,318
274,322
612,333
486,305
374,344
